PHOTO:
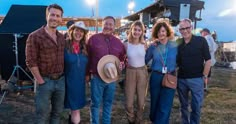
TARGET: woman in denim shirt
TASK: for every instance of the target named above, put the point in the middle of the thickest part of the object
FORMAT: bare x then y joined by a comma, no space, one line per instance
163,54
75,70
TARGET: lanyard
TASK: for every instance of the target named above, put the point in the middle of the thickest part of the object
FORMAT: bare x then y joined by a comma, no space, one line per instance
163,58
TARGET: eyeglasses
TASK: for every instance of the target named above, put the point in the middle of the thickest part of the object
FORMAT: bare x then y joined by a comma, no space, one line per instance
187,28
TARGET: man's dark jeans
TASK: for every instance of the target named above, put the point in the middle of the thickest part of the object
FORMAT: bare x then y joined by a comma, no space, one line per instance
49,101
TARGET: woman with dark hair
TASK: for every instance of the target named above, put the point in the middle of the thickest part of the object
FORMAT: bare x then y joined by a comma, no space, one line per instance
75,70
136,73
163,54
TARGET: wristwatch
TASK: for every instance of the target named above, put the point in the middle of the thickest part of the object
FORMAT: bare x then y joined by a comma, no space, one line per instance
205,76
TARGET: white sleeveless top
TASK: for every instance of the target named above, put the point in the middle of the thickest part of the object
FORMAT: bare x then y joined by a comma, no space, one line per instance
136,55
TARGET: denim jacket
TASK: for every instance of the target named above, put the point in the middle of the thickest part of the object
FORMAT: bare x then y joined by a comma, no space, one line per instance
157,51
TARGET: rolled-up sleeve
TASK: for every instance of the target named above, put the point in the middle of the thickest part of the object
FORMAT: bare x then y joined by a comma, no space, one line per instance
31,51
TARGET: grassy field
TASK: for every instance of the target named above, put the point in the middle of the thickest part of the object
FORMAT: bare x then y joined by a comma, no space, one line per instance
219,104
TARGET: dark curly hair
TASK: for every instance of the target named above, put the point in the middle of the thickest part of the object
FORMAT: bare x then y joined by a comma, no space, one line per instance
162,23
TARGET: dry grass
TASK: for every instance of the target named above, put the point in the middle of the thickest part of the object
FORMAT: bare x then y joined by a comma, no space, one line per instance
219,104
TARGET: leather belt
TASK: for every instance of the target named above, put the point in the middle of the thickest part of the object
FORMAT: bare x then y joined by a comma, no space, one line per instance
54,76
131,67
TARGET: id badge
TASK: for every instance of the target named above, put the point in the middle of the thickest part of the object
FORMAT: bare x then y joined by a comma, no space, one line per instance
164,70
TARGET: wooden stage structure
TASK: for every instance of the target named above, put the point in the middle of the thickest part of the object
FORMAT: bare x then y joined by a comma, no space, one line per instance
89,22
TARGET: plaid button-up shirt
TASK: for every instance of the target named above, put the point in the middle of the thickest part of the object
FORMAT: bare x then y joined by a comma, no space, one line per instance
42,52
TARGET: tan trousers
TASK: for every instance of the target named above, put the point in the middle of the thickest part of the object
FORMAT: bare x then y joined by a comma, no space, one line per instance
136,82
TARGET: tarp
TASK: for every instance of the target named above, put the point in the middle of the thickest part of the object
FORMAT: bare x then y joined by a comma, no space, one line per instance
23,19
20,19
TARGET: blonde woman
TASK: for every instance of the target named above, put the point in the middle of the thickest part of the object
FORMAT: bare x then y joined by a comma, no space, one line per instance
136,73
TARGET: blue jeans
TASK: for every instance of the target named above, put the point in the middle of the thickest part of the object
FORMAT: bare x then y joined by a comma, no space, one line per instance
50,95
101,92
196,87
161,100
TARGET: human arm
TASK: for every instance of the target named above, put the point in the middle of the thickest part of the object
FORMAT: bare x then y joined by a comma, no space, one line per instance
123,57
37,76
207,58
149,54
32,53
88,74
206,70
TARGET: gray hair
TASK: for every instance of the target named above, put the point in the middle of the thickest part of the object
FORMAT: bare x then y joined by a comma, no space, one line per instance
186,20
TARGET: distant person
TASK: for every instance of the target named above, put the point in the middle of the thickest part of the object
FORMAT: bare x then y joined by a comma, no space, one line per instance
45,59
136,73
75,70
163,52
214,36
126,36
211,43
212,47
68,24
103,92
194,62
145,32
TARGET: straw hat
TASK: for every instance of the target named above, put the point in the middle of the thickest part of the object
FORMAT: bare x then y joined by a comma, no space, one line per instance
108,68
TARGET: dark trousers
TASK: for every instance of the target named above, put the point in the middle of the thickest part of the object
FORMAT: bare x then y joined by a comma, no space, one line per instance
161,100
50,95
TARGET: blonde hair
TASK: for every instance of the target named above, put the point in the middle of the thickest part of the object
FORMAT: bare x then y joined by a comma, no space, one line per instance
130,36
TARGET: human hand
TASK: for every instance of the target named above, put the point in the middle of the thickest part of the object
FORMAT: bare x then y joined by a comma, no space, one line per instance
87,78
122,66
205,80
40,81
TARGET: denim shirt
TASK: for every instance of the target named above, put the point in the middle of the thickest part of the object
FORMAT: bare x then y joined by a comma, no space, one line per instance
154,52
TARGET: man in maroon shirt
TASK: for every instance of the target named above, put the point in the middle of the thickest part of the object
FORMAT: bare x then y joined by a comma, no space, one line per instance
99,45
45,59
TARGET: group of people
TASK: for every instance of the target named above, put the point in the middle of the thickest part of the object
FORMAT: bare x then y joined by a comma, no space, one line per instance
63,65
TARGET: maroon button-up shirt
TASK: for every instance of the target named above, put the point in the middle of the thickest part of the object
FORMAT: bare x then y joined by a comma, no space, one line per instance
100,45
42,52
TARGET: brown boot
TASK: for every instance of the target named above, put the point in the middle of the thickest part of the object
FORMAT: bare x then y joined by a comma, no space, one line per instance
130,115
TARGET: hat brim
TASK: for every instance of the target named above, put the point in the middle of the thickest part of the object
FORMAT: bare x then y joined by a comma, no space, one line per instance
84,29
101,63
74,26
